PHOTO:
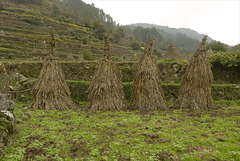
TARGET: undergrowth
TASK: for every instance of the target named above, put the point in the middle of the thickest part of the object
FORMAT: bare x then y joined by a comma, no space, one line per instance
156,135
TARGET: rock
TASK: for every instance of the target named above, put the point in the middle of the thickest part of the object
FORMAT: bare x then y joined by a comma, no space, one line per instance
7,120
28,114
175,68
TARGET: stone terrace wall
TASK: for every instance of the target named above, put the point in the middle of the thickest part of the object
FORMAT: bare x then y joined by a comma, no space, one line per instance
171,72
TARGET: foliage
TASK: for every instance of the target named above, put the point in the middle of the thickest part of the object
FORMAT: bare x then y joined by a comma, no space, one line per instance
118,34
99,28
1,6
85,40
217,46
165,135
228,59
29,1
88,22
157,52
146,34
135,45
236,48
32,21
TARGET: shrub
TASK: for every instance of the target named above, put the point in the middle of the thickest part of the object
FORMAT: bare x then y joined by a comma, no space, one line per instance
32,21
228,59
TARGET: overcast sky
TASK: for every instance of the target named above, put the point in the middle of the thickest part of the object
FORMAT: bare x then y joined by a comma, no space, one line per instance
220,19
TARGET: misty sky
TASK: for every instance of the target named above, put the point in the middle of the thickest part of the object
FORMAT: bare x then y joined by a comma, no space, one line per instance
220,19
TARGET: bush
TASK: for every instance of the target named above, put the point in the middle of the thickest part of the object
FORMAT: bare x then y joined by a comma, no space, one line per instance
228,59
135,45
85,40
32,21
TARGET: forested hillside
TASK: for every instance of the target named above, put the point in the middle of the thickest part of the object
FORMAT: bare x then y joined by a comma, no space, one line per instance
186,40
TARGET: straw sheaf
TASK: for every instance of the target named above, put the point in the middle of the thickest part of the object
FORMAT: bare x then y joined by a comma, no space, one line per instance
172,52
147,92
106,90
51,91
196,84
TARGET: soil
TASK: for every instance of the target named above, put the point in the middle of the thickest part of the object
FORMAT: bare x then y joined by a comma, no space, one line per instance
32,152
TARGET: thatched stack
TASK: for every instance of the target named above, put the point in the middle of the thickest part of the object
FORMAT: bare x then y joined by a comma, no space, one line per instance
70,57
2,33
172,52
195,91
147,92
51,91
127,58
210,51
80,57
121,59
106,90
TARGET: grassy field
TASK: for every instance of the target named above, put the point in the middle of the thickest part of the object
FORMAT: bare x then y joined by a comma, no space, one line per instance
127,135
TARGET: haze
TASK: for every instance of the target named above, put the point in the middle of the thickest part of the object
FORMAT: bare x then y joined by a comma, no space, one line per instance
218,19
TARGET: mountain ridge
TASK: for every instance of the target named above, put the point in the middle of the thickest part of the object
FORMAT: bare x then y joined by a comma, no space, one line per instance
186,31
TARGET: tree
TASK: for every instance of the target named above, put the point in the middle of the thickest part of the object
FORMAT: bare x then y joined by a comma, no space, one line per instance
87,22
217,46
56,10
116,37
135,45
99,28
1,6
236,48
96,24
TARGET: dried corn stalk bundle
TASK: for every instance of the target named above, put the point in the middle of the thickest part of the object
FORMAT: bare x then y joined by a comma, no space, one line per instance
70,57
195,91
51,91
121,59
147,92
80,57
172,52
106,90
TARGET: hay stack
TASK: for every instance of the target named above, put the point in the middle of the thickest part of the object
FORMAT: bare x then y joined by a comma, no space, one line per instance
121,59
195,91
210,51
147,92
172,52
51,91
106,90
70,57
2,33
80,57
127,58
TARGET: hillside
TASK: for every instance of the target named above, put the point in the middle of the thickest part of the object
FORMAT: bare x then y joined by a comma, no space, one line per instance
186,40
25,26
174,31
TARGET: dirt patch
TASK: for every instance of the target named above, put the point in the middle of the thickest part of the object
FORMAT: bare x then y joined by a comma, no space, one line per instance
79,150
32,138
165,156
123,158
221,140
49,143
32,152
154,138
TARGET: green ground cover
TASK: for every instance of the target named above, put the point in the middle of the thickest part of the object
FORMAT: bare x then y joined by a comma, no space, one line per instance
126,135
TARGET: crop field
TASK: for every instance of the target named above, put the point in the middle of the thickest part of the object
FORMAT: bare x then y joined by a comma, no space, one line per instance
126,135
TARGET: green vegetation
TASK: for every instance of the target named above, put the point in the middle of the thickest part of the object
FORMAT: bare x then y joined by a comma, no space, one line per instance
217,46
228,59
158,135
